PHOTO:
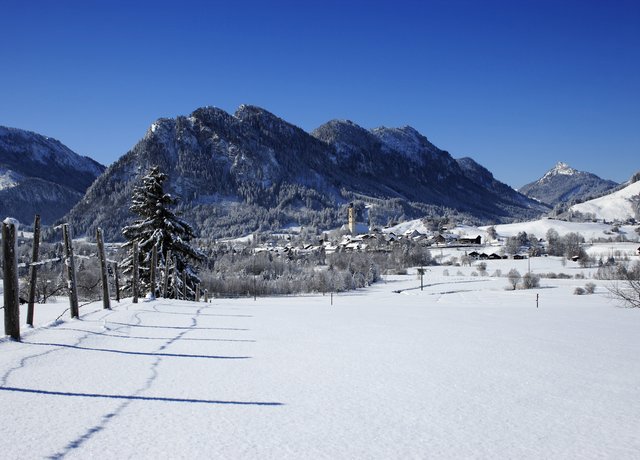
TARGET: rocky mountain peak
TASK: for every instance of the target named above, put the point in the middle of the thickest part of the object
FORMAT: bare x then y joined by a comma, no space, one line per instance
407,141
562,183
560,168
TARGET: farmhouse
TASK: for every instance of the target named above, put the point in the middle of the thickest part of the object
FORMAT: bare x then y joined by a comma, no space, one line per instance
476,240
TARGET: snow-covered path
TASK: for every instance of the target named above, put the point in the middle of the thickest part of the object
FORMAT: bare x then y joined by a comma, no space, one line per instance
463,369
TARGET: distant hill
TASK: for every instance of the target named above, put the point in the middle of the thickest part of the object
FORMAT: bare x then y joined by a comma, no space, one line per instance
563,184
39,175
252,171
621,205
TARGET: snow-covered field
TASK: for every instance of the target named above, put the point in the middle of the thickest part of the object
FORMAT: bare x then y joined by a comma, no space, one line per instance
462,369
616,205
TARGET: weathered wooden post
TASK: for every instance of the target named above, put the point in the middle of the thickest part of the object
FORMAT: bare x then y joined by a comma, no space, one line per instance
165,277
33,270
134,281
106,301
197,293
206,296
176,291
117,281
10,278
152,272
184,284
71,272
421,273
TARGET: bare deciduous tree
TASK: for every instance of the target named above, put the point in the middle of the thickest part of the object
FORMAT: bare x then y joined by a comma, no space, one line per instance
627,290
514,278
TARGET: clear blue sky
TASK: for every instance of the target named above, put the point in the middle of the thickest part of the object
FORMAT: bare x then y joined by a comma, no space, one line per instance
516,85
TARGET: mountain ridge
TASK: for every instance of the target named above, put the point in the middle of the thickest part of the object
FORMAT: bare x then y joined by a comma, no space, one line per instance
253,171
40,175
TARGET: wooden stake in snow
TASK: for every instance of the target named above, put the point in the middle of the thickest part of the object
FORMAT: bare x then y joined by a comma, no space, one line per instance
33,270
152,272
197,293
176,291
11,289
184,284
134,281
106,301
71,272
165,279
117,281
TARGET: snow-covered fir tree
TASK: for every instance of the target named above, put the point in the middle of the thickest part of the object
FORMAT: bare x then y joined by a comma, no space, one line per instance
160,227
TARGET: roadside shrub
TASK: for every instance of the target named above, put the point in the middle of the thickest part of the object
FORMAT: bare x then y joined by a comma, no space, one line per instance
530,281
459,273
497,273
579,276
590,288
445,272
474,273
578,291
564,276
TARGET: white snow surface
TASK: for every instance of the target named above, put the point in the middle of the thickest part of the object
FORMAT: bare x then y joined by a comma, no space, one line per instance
463,369
12,221
615,206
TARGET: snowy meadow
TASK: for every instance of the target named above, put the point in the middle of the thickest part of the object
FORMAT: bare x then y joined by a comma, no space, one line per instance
463,368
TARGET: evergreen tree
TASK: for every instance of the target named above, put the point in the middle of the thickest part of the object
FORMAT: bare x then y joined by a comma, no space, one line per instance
160,227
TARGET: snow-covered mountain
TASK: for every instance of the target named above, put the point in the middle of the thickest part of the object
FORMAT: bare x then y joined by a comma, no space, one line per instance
621,205
563,183
254,171
40,175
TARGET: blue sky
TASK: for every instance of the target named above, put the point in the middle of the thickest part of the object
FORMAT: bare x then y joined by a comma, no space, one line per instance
516,85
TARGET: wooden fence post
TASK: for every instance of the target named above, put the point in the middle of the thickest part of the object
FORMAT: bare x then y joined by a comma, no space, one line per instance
165,279
206,296
197,293
176,291
106,301
71,272
33,270
10,278
184,284
134,281
117,281
152,272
